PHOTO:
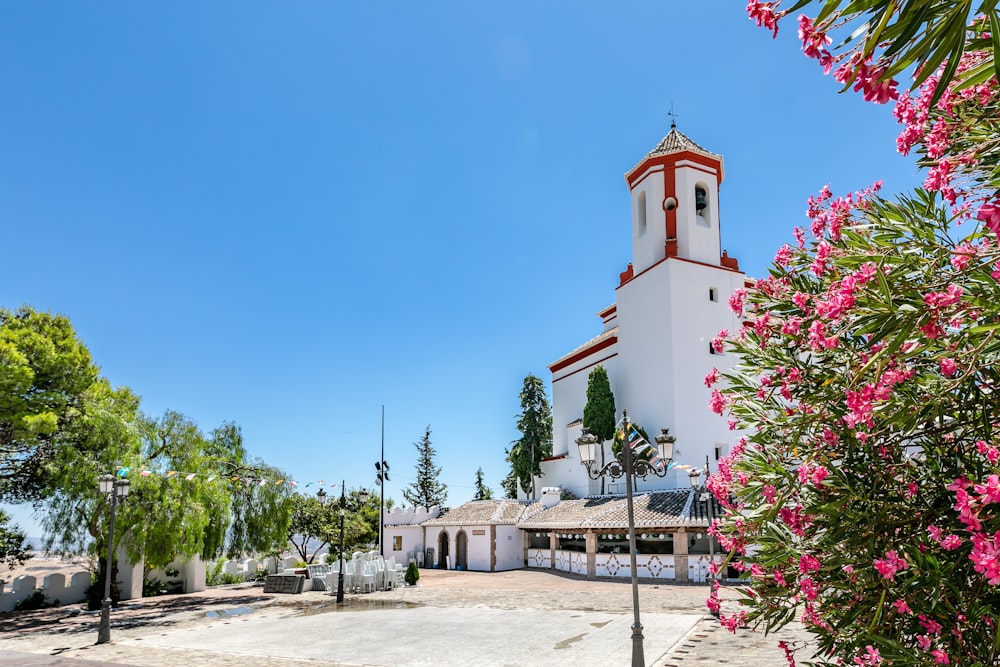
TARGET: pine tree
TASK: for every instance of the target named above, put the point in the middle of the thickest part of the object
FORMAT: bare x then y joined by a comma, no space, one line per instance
427,490
535,424
599,413
482,491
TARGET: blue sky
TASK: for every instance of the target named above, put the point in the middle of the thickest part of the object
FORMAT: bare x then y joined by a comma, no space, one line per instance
288,215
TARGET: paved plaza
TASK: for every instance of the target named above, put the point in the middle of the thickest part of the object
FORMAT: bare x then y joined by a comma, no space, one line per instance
452,618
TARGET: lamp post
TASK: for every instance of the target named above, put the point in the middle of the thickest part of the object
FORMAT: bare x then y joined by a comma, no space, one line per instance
116,490
362,497
625,465
703,494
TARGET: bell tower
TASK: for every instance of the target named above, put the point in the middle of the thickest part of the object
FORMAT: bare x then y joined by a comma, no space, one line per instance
675,205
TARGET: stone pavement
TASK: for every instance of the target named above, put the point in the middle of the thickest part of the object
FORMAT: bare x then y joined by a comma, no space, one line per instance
524,617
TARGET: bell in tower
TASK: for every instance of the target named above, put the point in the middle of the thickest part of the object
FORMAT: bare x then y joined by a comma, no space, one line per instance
700,199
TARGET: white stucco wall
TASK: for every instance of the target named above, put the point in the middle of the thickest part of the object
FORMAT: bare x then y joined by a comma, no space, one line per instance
510,548
666,323
647,248
698,236
413,540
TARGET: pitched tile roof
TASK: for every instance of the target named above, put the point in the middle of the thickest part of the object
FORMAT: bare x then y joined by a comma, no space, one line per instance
655,509
675,142
483,513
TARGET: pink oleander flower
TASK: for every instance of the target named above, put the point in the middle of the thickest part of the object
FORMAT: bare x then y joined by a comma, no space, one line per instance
784,255
901,607
736,300
948,367
951,542
871,656
733,621
717,403
769,493
990,214
718,343
808,563
712,377
762,13
891,564
940,657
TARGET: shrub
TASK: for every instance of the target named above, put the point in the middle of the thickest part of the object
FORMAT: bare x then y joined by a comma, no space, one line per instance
37,600
412,574
153,587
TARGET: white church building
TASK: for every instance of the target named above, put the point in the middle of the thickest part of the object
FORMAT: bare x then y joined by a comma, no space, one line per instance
656,346
656,343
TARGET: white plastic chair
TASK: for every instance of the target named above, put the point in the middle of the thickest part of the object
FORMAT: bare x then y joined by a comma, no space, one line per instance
367,583
389,574
379,569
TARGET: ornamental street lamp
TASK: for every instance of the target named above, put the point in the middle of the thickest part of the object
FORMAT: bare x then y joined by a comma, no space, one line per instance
704,496
116,490
624,464
362,497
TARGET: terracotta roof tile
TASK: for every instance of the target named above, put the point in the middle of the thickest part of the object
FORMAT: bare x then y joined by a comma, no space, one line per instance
675,142
655,509
482,513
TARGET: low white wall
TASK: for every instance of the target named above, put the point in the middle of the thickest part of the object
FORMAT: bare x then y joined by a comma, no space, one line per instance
54,587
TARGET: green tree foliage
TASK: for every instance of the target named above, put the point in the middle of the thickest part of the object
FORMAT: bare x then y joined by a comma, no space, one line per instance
45,373
482,491
426,490
201,496
14,550
619,439
535,424
312,522
599,412
509,483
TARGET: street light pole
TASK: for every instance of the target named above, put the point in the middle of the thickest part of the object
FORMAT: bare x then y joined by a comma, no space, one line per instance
363,496
114,489
638,657
625,465
702,493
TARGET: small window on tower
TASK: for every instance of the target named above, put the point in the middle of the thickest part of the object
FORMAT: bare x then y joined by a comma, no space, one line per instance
641,213
713,294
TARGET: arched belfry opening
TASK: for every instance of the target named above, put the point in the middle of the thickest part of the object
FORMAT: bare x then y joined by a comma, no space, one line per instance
640,213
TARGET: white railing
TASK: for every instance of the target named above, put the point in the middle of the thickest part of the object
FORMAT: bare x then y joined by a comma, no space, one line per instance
698,568
571,561
654,566
541,558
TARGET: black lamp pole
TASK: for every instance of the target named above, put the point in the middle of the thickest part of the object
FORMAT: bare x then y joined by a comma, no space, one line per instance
363,496
114,489
625,465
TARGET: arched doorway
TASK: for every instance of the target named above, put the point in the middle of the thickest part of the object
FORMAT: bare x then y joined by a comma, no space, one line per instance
443,550
462,550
